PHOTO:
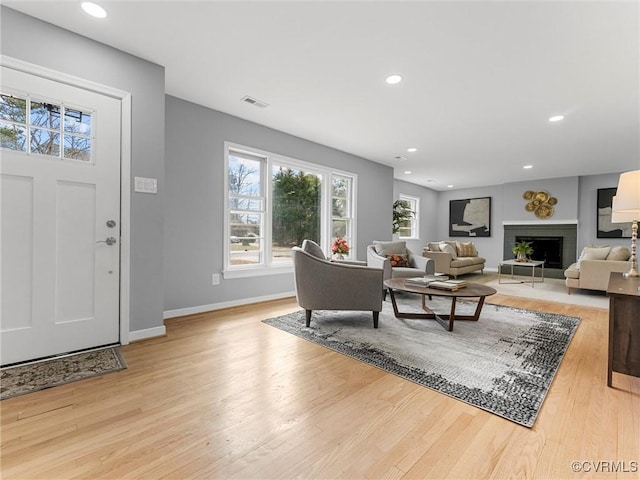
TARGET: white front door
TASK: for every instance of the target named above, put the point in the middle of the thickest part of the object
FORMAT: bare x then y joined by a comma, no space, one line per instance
60,217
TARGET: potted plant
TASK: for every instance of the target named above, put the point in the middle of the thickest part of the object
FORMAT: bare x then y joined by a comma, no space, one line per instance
401,213
522,250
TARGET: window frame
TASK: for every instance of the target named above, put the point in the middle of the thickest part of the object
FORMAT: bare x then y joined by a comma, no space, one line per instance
267,266
415,219
261,197
350,218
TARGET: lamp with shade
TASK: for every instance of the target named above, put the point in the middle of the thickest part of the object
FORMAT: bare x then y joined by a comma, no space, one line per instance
626,208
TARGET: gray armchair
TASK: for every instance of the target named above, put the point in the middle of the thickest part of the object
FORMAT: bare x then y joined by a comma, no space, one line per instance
381,254
325,285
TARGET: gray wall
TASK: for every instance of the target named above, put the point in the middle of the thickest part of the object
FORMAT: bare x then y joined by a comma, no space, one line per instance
194,201
576,201
488,247
587,205
564,189
40,43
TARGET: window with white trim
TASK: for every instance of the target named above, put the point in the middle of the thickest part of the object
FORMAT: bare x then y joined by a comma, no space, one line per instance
342,208
275,202
247,208
410,228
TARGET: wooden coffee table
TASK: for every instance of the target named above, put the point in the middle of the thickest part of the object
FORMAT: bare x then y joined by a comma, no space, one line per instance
472,290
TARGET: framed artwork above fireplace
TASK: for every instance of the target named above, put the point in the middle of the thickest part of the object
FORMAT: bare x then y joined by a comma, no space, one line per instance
606,229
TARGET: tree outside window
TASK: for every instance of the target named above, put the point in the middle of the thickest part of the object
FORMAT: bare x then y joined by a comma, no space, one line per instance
296,210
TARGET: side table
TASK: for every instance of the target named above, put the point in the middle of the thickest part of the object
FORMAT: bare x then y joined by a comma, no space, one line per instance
531,264
624,326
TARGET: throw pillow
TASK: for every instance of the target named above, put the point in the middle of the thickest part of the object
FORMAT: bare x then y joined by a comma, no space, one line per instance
619,253
313,249
398,260
390,248
433,246
466,249
593,253
445,247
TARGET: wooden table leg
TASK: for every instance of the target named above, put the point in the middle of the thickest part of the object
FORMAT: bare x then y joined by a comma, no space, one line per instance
476,315
446,321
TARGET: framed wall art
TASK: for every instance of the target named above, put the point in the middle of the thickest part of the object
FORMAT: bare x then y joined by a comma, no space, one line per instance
470,217
606,229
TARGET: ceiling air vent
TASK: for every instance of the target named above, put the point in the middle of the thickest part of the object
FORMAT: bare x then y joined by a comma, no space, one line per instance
254,101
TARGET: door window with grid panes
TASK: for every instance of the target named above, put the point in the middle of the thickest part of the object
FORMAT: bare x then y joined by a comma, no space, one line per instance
40,127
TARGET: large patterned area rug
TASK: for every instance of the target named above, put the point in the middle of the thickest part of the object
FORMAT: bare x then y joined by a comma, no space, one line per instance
504,363
27,378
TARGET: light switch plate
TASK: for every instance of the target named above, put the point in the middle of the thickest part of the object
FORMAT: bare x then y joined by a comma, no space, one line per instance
145,185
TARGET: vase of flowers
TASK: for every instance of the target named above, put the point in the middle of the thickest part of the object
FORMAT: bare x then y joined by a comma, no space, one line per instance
339,248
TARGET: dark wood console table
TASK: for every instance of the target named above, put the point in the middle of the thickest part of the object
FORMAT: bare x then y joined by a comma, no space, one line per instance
624,325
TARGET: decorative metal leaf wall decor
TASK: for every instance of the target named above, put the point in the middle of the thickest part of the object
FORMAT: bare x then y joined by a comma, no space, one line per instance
540,203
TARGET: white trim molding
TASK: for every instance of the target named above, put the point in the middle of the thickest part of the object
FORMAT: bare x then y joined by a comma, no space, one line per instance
181,312
138,335
540,222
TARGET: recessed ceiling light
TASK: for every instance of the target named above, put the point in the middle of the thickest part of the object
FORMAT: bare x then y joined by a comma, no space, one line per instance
527,167
94,10
400,158
407,172
449,186
556,118
393,79
412,149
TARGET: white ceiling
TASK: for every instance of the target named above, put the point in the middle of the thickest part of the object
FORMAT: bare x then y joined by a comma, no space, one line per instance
481,78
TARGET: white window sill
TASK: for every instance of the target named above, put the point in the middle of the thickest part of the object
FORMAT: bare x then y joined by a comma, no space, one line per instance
257,272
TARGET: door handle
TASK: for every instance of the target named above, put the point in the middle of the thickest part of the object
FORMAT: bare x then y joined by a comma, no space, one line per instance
109,241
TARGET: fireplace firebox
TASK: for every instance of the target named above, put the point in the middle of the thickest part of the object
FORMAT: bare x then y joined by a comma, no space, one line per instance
545,248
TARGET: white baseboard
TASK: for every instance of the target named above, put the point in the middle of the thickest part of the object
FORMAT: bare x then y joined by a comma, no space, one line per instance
138,335
180,312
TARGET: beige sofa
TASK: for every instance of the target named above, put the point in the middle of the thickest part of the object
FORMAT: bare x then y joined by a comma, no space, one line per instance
454,258
593,268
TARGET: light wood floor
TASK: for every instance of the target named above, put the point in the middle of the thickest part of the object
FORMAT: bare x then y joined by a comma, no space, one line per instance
224,396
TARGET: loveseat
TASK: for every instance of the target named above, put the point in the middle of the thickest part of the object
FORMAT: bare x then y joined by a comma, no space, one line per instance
594,266
454,258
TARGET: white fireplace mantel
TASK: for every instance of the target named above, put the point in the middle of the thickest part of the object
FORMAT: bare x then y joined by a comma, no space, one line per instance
540,222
